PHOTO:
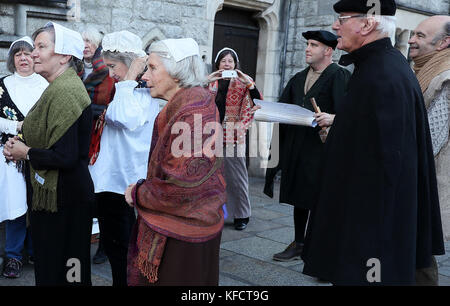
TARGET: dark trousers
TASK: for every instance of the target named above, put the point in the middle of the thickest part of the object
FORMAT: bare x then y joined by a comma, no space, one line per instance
116,220
300,222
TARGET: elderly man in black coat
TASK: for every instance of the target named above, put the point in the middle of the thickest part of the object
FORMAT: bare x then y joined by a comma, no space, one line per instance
378,218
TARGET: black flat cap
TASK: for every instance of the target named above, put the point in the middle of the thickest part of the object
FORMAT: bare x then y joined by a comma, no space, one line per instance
387,7
324,37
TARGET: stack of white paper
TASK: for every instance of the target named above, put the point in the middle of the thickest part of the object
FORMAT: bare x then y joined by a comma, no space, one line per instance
284,113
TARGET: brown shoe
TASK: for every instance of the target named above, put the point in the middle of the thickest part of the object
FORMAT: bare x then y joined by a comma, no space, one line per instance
292,252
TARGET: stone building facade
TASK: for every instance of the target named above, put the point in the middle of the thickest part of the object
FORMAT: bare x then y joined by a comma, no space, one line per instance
280,50
280,45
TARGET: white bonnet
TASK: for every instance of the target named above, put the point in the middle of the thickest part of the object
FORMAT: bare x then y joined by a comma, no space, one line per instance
67,42
26,39
181,48
123,41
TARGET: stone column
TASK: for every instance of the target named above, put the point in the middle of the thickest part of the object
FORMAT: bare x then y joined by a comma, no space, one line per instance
20,13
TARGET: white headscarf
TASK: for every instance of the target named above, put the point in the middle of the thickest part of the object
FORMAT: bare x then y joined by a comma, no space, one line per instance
224,49
26,39
67,42
181,48
123,41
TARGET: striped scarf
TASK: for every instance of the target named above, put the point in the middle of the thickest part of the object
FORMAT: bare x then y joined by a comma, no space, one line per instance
99,85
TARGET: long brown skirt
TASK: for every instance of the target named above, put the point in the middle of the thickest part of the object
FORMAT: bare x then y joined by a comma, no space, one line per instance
182,264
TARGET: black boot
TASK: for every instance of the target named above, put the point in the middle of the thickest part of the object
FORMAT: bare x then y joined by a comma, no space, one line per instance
241,223
292,252
100,256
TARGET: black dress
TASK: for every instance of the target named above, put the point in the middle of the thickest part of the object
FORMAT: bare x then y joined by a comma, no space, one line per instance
62,240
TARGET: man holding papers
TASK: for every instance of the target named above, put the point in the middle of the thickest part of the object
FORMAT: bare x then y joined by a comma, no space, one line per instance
300,146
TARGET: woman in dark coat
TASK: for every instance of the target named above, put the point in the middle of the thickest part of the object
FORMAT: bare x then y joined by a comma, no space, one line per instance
57,135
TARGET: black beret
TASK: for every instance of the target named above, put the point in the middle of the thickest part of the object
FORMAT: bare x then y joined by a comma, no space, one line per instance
387,7
324,37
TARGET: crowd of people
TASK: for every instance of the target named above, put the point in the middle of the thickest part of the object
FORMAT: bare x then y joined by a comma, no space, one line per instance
89,138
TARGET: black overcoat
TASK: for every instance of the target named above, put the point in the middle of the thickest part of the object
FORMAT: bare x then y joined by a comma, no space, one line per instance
300,147
378,197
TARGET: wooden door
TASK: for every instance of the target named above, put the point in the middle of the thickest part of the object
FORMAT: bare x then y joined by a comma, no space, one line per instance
237,29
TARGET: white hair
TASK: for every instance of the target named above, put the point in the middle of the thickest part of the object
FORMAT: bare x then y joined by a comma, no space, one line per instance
190,71
386,25
124,57
93,35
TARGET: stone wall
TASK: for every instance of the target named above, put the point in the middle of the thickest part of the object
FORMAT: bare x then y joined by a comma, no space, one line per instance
148,19
306,15
440,7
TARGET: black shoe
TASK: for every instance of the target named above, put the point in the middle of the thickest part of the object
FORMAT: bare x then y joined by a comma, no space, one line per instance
292,252
100,256
241,223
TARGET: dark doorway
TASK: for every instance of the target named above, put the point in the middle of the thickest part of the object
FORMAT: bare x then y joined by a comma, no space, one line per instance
239,30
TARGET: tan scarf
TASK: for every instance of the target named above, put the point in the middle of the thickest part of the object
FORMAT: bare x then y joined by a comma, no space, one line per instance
428,66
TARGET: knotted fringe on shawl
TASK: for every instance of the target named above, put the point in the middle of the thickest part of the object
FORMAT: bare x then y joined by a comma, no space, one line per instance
151,248
44,197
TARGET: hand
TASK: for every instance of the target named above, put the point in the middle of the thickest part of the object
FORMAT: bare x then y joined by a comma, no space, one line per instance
19,126
15,150
247,80
324,119
136,68
7,154
128,197
254,109
216,75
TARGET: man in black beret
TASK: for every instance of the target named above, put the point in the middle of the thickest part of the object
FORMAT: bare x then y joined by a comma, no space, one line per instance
301,147
377,219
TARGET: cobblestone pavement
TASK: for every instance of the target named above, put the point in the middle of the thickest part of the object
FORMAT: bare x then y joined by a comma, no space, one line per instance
246,256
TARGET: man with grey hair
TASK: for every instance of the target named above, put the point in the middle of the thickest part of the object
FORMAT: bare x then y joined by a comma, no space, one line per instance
429,48
377,219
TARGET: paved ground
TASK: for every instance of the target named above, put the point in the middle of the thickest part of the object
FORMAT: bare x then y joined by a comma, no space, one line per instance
246,256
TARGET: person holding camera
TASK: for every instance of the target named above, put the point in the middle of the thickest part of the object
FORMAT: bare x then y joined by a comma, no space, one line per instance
234,92
124,146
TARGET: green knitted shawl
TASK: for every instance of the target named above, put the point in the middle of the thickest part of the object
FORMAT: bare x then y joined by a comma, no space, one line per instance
57,110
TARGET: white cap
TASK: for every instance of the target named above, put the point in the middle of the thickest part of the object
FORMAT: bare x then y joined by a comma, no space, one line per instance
67,42
181,48
224,49
123,41
26,39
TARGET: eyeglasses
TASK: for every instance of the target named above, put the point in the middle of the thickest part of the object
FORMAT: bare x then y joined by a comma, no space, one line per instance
342,19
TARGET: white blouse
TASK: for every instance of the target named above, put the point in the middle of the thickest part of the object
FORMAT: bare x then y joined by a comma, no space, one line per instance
126,139
24,92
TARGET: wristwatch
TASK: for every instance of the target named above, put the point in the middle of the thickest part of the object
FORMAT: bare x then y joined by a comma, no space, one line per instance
138,184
